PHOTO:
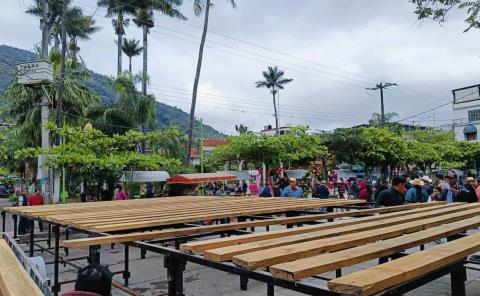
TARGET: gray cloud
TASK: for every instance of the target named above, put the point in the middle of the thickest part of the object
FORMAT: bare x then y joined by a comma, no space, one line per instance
373,38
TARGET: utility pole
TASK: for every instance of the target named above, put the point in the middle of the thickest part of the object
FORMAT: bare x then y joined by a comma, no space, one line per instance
43,174
382,86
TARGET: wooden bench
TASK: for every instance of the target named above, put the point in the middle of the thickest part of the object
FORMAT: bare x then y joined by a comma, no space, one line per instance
14,280
389,275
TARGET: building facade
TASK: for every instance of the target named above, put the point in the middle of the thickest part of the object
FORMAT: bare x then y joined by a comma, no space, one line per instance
466,113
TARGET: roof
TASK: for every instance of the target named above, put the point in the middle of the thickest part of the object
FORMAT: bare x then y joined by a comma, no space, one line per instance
241,175
201,178
145,176
194,154
214,142
469,128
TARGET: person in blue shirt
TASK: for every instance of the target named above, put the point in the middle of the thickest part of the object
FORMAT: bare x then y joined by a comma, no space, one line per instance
417,193
292,190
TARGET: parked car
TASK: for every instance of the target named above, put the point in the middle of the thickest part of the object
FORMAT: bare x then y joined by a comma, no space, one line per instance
4,191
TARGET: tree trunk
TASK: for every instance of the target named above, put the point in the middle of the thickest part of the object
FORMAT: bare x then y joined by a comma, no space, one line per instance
119,53
130,64
145,59
276,114
195,84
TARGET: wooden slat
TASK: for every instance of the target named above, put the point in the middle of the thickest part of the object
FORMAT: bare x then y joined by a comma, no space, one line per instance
313,243
121,238
302,268
379,278
14,280
133,214
200,246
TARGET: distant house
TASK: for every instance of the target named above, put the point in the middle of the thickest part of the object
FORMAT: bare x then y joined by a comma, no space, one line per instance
270,131
405,127
466,113
208,146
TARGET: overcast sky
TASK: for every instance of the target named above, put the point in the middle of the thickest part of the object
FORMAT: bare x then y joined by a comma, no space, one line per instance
332,49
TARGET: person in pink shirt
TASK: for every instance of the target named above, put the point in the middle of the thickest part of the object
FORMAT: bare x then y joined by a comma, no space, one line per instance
121,194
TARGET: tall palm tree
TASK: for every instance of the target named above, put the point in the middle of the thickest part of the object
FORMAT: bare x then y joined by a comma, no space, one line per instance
130,49
242,129
144,18
274,80
55,15
79,26
198,7
120,9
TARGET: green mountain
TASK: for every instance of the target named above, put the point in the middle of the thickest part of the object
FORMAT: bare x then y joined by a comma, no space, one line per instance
100,84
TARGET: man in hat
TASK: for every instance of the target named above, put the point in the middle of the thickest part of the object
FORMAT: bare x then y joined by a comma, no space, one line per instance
417,193
454,192
393,196
428,184
292,190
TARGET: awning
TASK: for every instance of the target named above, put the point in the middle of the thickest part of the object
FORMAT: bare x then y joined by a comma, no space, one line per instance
145,176
297,174
241,175
201,178
469,129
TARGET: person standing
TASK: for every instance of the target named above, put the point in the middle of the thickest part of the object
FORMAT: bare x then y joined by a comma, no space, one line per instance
36,199
393,196
381,187
428,184
22,202
292,190
321,190
471,185
454,192
436,194
363,193
277,191
417,193
121,194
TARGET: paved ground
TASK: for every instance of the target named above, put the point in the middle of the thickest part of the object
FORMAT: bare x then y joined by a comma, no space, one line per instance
149,276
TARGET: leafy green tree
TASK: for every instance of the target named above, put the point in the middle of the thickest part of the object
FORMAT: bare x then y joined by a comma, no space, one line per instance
131,48
23,103
274,80
199,6
89,155
119,9
376,119
438,10
144,18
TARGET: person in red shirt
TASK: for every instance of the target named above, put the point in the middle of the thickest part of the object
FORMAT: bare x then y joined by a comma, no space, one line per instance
363,193
36,199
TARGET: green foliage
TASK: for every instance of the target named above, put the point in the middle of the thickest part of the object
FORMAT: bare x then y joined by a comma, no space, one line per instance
438,10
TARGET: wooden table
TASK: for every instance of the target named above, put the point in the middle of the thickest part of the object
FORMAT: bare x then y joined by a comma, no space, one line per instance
299,253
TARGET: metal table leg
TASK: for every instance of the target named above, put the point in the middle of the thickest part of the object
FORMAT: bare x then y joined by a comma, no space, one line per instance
31,237
56,286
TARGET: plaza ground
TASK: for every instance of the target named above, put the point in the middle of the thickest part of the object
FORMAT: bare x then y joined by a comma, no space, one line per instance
149,277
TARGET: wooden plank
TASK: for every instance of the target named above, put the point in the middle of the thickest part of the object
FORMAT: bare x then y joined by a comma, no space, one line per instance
313,243
121,238
200,246
379,278
302,268
14,280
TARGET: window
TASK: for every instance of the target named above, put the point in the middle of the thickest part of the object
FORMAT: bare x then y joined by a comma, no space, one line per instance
471,136
474,115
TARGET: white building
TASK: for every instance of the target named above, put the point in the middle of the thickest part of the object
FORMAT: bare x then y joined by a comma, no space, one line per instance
270,131
466,113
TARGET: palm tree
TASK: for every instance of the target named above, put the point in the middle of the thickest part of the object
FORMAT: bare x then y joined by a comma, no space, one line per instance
376,119
79,26
130,49
120,9
198,7
55,14
144,19
24,103
274,80
242,129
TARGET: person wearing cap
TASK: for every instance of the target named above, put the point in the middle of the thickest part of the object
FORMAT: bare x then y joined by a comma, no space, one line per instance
393,196
428,184
417,193
292,190
454,192
471,185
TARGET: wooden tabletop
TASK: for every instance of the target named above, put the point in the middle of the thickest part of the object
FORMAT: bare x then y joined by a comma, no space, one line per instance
136,214
298,253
